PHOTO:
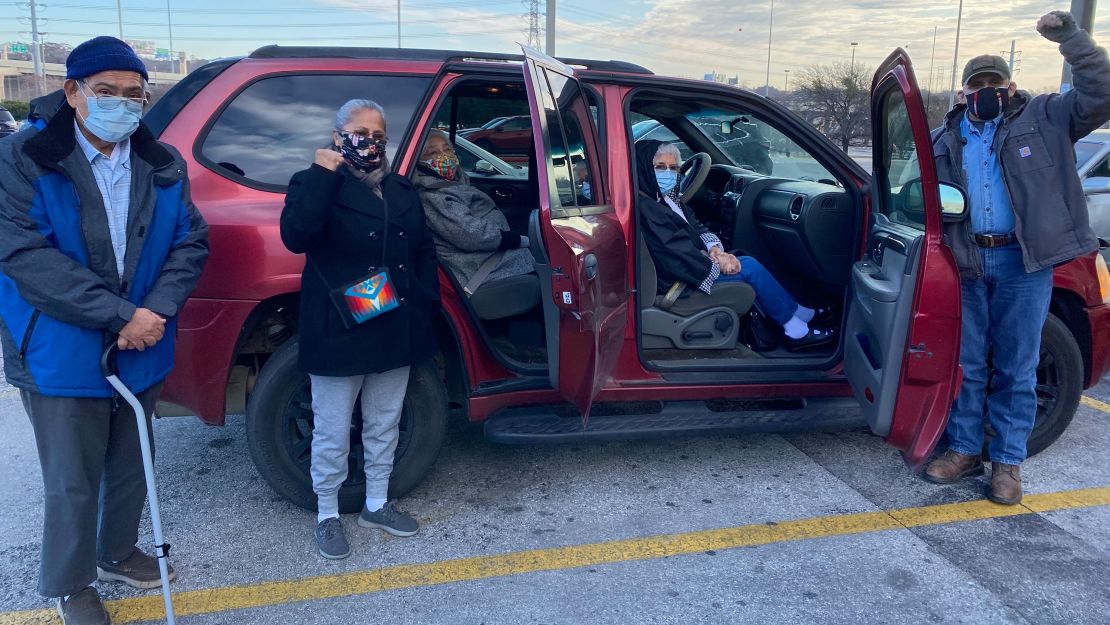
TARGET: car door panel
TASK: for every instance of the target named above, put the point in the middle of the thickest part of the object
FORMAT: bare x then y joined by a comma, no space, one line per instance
583,245
901,342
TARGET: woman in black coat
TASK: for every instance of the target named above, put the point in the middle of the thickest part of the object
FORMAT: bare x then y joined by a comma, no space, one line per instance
352,218
685,251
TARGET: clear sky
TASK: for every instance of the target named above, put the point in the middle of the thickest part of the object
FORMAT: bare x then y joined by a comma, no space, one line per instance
678,37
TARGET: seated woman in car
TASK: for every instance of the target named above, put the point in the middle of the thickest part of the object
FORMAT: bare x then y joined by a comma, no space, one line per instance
472,236
686,252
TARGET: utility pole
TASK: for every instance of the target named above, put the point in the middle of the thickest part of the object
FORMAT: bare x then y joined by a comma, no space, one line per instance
1013,44
1084,13
956,57
770,31
169,23
854,44
36,45
119,18
786,84
398,23
932,58
549,46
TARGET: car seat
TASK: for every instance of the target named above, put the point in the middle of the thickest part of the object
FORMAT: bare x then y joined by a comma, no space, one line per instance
694,321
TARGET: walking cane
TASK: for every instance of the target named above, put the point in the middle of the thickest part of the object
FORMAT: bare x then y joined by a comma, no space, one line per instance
110,368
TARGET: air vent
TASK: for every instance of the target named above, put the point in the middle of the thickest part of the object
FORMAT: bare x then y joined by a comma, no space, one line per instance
828,204
796,207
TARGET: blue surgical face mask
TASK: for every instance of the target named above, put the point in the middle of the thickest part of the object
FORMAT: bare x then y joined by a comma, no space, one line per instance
111,118
666,180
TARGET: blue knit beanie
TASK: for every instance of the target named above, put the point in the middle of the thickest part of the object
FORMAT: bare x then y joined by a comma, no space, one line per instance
102,54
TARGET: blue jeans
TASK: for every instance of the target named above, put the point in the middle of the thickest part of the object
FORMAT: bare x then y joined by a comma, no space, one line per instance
1003,313
773,300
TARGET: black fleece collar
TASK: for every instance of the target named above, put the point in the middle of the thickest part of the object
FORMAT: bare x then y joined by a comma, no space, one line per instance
56,141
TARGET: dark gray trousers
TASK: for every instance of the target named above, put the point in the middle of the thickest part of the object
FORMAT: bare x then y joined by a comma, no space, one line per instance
92,474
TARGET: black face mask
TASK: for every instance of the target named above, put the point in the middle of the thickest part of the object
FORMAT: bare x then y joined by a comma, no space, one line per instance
988,102
363,153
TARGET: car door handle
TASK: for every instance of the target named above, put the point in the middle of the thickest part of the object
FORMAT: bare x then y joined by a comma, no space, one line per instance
502,193
589,266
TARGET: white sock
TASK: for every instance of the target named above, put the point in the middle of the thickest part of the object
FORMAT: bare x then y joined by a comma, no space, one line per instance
796,328
805,314
373,504
327,507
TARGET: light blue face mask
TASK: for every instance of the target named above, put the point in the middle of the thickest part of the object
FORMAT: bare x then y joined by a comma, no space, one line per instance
112,118
666,180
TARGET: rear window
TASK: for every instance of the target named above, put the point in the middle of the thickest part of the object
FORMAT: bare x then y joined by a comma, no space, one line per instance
273,128
1084,150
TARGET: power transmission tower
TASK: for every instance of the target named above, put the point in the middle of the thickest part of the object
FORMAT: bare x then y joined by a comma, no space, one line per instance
534,32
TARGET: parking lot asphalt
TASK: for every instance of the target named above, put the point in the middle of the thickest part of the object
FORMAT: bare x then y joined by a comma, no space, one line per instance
801,528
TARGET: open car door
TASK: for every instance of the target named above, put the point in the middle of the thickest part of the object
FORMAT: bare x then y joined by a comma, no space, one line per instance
901,346
575,236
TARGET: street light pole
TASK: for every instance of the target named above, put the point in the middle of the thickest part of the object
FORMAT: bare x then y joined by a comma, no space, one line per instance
119,18
854,44
770,30
169,24
549,40
932,58
786,85
956,57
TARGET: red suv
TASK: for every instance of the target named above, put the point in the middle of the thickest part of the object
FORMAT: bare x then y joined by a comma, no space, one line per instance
532,356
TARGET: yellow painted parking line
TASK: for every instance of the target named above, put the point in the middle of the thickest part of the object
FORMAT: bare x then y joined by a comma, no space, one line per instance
1094,403
214,600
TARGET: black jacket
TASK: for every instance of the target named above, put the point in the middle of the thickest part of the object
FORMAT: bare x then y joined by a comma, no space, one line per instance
1036,149
339,223
676,246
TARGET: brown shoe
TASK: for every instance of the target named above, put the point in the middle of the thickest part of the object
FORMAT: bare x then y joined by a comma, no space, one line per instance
138,570
952,467
1005,484
83,608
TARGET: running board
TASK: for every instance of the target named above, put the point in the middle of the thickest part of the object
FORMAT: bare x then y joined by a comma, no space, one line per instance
541,424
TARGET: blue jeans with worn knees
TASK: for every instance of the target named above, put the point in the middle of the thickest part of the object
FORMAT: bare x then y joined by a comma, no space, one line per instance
1003,313
769,294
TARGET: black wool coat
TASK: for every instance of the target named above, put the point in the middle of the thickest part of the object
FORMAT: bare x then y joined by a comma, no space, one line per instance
340,224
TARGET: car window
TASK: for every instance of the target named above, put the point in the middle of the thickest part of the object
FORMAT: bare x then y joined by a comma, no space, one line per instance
516,123
6,116
1102,170
273,128
574,171
898,172
1085,151
752,143
475,136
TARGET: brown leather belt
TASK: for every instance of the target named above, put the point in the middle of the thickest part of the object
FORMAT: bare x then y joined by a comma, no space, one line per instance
994,240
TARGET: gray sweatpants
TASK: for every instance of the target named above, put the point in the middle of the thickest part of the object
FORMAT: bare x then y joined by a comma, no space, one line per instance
92,475
333,402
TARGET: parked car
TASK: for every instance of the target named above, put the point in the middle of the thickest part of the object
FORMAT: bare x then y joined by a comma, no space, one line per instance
510,136
579,350
8,125
1092,158
479,163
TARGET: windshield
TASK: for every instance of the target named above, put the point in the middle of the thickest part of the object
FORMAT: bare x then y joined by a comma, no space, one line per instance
6,116
1085,150
749,142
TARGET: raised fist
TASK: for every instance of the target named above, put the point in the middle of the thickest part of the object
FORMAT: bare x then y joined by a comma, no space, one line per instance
1057,26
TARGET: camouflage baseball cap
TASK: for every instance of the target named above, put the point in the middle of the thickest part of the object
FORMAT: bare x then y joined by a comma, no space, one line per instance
986,63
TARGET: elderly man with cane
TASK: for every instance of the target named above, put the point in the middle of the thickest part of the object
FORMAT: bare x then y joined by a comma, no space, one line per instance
99,242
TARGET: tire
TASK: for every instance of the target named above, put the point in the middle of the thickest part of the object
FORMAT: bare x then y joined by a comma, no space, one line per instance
1059,386
279,432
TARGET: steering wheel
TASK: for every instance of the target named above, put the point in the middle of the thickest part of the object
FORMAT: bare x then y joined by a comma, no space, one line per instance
694,172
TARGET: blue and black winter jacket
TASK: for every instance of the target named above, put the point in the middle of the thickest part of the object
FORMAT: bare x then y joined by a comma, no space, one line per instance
61,297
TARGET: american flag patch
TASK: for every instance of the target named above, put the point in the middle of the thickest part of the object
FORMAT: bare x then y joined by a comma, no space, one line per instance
1025,152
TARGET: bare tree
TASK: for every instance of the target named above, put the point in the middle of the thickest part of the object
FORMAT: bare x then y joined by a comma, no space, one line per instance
836,99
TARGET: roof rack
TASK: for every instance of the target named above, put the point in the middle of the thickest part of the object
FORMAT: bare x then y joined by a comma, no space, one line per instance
419,54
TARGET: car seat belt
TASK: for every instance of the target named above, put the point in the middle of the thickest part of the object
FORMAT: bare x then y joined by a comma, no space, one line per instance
483,272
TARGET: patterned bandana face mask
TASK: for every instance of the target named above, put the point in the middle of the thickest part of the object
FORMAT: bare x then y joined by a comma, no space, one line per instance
446,166
363,153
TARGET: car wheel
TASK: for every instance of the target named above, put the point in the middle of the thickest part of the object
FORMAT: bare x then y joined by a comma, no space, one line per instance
1059,386
279,432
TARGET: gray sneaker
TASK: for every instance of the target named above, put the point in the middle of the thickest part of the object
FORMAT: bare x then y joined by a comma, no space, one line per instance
390,519
331,540
83,608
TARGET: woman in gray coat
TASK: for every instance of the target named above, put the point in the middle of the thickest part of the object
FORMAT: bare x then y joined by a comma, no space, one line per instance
467,226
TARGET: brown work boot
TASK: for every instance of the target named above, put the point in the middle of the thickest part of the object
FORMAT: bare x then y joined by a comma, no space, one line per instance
1005,484
952,467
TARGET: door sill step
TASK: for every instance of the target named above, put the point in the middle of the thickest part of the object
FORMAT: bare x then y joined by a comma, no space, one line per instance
541,424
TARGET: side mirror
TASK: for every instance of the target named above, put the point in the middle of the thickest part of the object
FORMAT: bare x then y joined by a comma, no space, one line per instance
953,202
1096,185
484,167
